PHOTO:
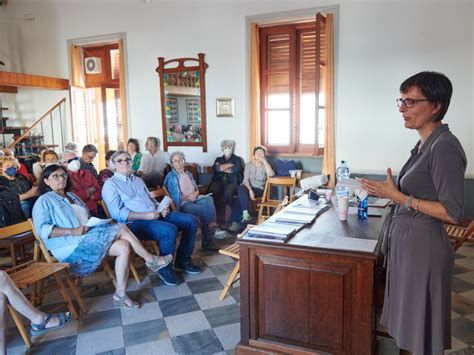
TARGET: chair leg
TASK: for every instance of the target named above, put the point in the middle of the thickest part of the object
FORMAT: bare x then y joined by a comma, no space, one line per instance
133,269
13,254
75,292
66,297
20,326
109,272
230,280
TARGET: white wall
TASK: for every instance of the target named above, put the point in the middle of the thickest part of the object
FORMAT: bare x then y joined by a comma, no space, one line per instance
379,44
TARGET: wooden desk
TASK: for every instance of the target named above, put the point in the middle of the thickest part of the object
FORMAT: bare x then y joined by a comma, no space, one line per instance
298,298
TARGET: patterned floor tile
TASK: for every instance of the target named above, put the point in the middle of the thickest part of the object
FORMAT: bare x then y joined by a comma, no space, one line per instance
468,294
166,292
456,345
145,332
462,305
207,285
467,276
458,269
467,252
466,262
186,323
59,346
217,259
99,341
177,306
204,342
222,269
100,320
228,335
99,303
149,311
211,299
223,315
159,347
120,351
462,328
206,274
460,286
70,329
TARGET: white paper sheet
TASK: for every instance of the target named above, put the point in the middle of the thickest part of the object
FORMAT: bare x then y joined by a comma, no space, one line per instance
165,203
94,221
344,243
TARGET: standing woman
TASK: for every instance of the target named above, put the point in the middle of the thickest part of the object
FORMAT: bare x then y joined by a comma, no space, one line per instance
133,148
429,191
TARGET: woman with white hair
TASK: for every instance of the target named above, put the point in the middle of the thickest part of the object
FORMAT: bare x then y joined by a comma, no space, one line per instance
228,175
185,195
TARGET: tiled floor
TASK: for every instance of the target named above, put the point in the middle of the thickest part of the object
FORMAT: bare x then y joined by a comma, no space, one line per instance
190,319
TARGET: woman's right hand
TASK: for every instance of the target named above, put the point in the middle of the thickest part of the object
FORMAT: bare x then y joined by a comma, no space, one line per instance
81,230
252,195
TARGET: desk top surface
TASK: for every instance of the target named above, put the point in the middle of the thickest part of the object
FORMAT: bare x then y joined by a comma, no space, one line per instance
328,232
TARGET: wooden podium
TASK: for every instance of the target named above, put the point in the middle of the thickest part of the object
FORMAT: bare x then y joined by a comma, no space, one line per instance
310,295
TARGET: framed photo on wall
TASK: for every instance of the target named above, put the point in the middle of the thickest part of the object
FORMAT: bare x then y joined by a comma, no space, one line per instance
193,110
225,107
171,109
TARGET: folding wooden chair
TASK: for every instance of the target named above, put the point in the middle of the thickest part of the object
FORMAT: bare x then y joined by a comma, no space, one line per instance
34,273
268,204
459,233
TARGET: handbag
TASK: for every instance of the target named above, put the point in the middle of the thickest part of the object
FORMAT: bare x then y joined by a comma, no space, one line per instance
283,167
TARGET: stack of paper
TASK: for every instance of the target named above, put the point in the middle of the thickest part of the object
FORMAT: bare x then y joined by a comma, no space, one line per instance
272,231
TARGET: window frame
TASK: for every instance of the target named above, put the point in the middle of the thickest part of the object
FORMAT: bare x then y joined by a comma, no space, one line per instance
294,148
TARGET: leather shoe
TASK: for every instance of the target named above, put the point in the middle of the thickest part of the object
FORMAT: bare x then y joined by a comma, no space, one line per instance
169,277
188,268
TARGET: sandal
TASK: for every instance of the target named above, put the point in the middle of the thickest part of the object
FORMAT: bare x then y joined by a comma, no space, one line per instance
156,266
38,329
121,302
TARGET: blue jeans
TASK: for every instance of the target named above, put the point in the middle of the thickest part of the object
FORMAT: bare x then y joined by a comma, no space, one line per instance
164,232
244,197
205,210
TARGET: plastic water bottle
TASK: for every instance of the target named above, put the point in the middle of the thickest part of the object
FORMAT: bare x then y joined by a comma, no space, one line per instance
342,171
363,208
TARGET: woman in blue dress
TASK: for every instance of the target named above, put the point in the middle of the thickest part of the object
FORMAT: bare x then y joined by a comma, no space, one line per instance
60,217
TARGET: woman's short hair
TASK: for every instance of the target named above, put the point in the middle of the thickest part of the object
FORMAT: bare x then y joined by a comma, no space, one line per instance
109,155
228,143
261,148
89,148
42,187
135,143
6,159
436,87
114,157
50,152
180,154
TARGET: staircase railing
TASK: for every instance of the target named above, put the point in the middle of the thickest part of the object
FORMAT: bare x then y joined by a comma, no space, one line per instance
39,124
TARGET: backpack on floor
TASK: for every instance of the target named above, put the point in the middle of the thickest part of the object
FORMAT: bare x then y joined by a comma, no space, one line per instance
10,208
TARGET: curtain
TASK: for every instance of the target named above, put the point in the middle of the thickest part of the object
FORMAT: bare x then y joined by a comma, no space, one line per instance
123,105
254,122
329,157
77,66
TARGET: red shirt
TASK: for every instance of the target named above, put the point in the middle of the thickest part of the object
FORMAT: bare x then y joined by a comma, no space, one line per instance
83,180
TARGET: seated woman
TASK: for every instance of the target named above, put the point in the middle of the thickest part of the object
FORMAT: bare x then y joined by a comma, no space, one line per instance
227,177
106,173
84,185
47,157
40,322
60,217
17,183
133,148
255,174
185,195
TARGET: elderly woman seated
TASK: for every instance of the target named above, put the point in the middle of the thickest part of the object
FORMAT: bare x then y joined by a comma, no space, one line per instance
185,194
61,219
17,183
228,173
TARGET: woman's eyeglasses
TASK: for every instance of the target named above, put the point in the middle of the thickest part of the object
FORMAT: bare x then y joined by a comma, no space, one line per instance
123,161
57,176
408,102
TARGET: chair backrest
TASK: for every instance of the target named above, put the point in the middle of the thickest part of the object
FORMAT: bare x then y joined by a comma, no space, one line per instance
288,184
40,243
104,207
161,192
19,229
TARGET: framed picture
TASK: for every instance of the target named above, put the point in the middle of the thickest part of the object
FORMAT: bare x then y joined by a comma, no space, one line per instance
171,110
193,110
225,107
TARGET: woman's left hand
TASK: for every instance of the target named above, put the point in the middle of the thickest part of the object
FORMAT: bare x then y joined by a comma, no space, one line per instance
384,189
